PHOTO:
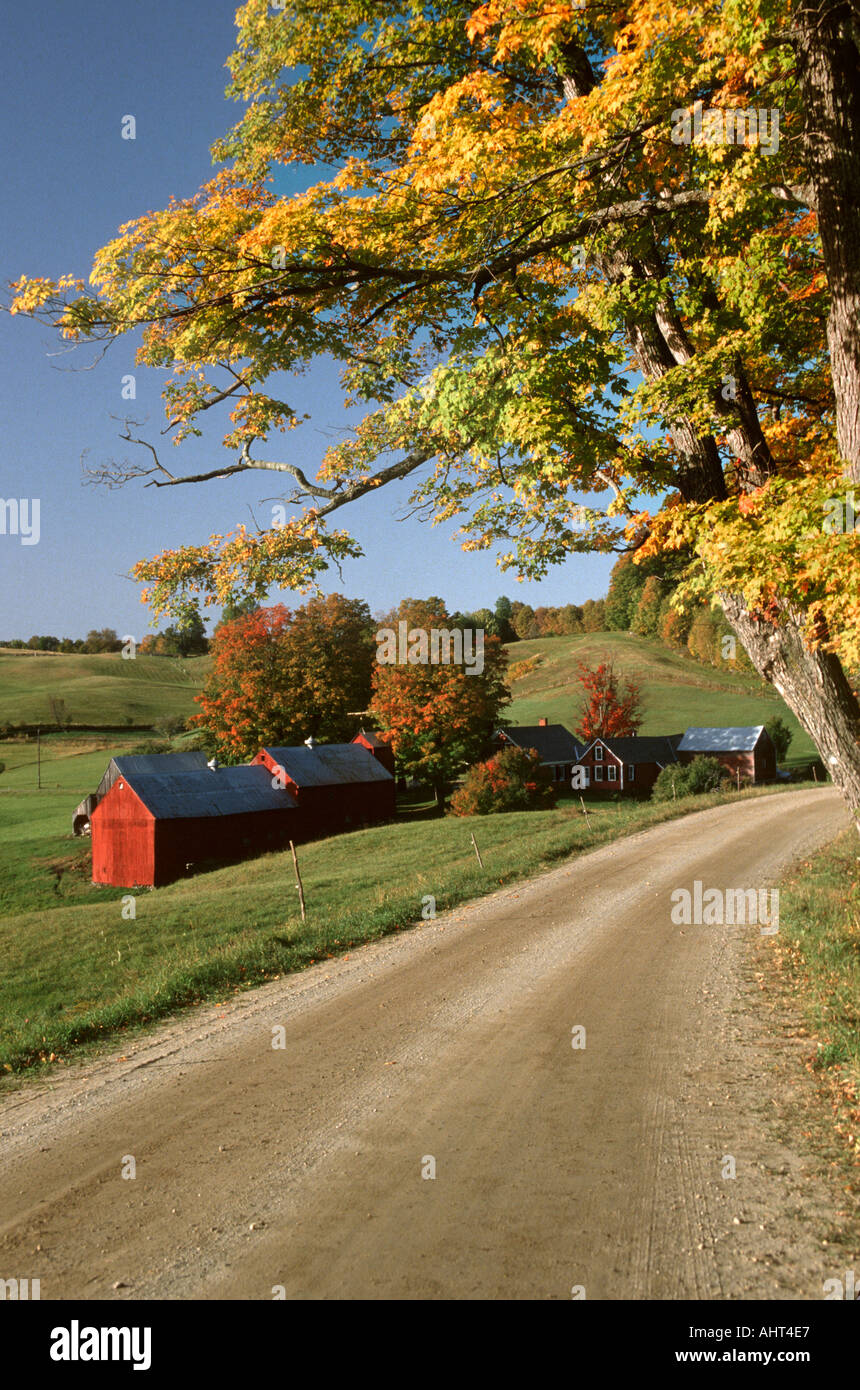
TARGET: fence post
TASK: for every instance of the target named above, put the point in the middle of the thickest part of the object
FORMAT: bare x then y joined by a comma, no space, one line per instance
298,880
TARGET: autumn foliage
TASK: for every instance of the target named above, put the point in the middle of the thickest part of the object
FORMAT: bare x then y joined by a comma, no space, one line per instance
512,780
610,710
280,676
569,329
438,718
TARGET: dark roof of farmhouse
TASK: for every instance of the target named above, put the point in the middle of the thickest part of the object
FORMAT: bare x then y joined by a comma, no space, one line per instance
741,739
553,743
329,764
191,792
652,748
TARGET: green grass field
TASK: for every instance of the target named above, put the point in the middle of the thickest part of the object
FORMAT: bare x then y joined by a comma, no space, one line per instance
677,691
108,692
105,690
820,921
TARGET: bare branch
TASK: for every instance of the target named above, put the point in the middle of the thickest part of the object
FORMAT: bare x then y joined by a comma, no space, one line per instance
146,445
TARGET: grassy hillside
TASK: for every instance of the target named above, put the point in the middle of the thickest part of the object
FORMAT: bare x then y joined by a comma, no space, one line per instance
71,764
677,691
109,692
102,690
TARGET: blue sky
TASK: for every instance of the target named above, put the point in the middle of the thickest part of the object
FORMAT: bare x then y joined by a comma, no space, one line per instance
71,73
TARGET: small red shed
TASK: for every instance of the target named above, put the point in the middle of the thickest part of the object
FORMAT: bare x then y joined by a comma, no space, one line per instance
375,744
156,818
746,750
338,786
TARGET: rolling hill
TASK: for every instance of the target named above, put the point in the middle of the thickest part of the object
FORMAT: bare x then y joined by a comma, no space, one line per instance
677,691
100,690
108,692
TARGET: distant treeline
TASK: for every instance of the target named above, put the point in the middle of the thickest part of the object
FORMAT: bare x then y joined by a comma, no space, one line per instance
174,641
509,620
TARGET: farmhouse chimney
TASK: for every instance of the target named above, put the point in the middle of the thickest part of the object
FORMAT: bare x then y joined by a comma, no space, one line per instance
310,742
541,723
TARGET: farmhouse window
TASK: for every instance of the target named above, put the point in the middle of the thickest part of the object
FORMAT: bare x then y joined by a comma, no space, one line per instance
598,753
631,772
612,772
598,774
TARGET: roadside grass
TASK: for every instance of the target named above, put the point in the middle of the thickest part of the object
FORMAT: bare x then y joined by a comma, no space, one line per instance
78,971
819,934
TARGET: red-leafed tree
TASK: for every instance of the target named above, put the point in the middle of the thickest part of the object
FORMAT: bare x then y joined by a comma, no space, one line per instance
438,716
512,780
609,711
279,676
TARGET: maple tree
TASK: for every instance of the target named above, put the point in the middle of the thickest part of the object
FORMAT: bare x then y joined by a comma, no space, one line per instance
279,677
438,717
582,311
610,710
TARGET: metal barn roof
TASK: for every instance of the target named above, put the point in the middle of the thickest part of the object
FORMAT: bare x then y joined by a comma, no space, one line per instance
741,739
145,764
329,764
552,742
192,792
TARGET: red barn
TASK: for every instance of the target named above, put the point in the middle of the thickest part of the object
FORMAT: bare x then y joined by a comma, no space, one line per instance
338,786
162,813
627,766
746,750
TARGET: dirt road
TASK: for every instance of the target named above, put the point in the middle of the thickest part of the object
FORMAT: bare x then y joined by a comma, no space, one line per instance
302,1168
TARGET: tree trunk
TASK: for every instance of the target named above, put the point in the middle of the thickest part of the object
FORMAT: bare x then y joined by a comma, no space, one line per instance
815,688
811,681
828,42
